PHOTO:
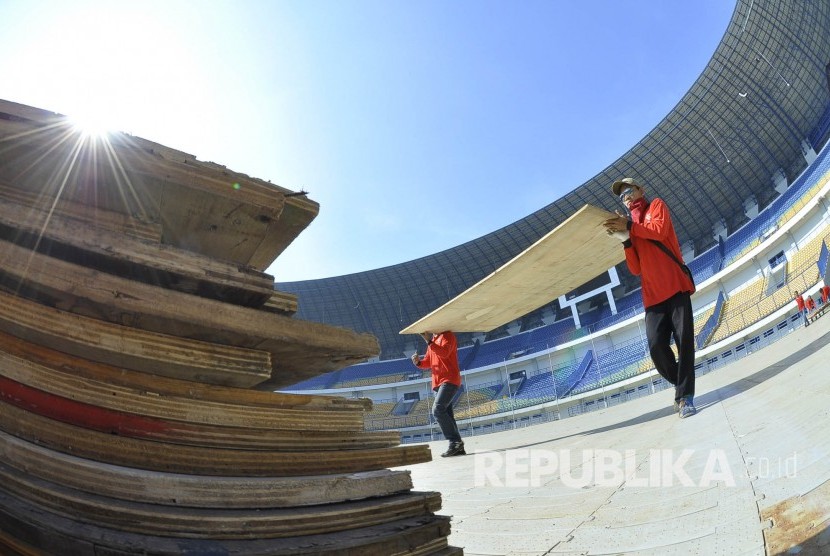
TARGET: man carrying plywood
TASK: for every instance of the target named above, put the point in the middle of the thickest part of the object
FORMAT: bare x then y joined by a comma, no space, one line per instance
653,253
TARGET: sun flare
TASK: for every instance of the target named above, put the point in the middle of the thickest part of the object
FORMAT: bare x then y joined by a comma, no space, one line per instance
91,125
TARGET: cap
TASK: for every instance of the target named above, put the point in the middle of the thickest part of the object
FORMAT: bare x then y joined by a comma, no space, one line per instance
619,184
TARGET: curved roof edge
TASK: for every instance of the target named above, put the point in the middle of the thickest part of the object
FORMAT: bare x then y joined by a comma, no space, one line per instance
746,119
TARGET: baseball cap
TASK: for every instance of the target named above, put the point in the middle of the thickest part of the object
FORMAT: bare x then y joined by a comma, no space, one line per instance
619,184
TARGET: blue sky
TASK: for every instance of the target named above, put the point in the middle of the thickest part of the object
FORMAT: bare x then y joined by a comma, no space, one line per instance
416,125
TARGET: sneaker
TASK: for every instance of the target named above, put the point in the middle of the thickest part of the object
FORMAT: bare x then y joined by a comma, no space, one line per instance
686,408
455,449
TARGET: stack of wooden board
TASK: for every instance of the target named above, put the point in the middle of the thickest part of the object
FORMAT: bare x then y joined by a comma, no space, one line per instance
139,343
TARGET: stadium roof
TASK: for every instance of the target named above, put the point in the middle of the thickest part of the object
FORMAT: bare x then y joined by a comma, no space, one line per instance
755,108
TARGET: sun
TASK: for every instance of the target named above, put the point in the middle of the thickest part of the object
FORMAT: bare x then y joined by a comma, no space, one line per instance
91,125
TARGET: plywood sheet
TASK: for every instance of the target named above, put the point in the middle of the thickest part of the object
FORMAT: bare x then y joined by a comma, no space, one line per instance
159,192
574,252
299,349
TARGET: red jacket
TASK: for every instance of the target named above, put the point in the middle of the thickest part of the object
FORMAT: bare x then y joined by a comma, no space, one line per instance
800,302
442,359
661,277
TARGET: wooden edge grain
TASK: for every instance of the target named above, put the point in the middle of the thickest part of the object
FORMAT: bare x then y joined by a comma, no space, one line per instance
172,489
198,460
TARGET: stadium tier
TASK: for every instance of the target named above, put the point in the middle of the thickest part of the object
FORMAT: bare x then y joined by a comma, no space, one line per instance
752,226
799,276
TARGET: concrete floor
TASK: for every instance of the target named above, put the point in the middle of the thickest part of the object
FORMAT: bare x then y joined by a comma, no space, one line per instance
748,475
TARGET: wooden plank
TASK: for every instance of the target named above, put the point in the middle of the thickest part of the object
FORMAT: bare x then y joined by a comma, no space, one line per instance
294,425
150,352
173,489
264,220
115,417
297,214
438,547
117,253
299,349
55,534
281,302
92,216
290,430
207,224
10,546
198,460
209,523
199,206
255,405
574,252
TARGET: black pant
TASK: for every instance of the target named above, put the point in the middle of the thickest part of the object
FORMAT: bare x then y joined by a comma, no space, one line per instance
673,318
442,411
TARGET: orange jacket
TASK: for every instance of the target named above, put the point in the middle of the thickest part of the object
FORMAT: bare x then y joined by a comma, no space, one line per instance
661,277
442,359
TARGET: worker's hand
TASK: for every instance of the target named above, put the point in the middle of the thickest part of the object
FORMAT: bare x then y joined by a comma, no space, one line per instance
621,236
616,224
415,358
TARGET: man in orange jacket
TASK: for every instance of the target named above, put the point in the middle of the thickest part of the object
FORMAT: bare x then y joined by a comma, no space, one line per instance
802,308
667,288
442,359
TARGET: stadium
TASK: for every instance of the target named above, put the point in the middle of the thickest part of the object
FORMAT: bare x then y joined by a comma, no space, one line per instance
741,161
736,160
160,394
